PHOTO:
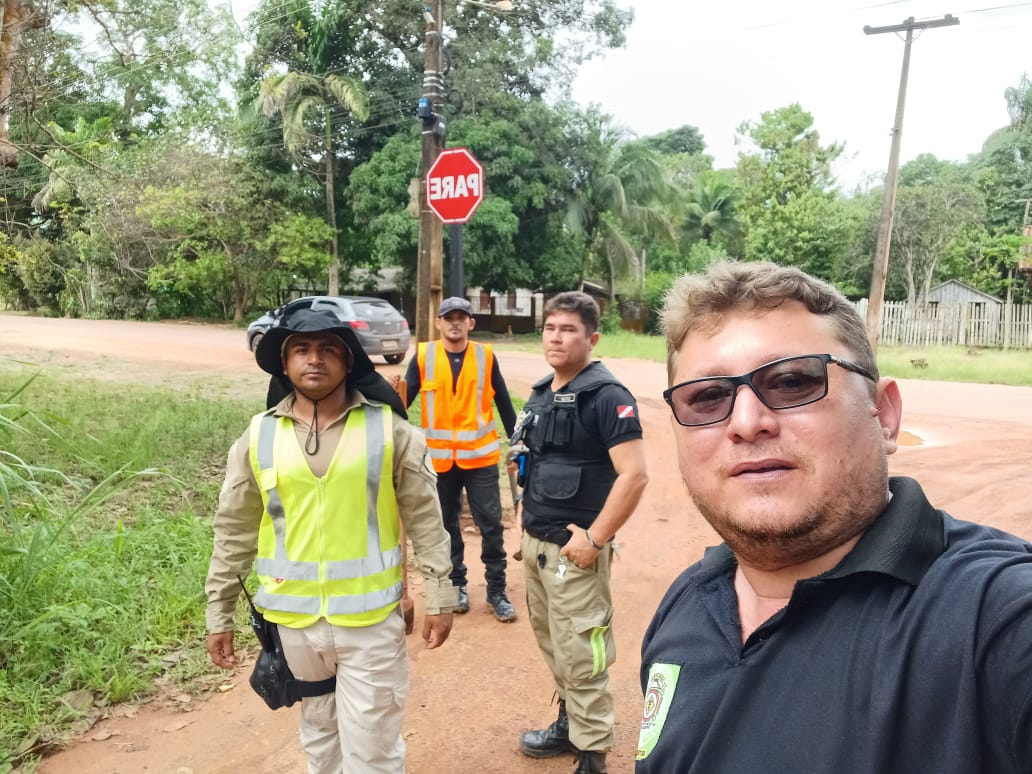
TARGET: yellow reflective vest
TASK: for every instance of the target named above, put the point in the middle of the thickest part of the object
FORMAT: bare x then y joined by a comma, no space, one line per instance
328,547
458,419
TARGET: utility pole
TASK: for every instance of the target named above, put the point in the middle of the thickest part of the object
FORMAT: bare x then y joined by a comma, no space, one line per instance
430,265
881,253
1025,251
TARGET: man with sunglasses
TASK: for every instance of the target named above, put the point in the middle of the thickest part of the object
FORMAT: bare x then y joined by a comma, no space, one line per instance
844,625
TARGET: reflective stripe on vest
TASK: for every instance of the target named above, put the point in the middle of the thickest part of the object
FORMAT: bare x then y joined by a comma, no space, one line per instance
464,434
328,561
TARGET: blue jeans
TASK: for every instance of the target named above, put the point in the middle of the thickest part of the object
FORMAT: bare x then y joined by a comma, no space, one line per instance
485,503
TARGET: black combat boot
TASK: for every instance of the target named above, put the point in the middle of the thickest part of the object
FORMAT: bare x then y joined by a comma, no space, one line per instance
589,762
551,741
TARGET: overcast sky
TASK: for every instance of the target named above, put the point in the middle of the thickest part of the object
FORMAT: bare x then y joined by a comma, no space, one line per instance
715,64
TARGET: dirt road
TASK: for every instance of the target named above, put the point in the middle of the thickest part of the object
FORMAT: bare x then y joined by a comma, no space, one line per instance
970,445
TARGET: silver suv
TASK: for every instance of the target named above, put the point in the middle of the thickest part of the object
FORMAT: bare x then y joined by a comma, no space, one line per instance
380,327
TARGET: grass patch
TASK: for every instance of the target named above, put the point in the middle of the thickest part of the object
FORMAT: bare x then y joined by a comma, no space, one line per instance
106,497
947,364
610,345
958,364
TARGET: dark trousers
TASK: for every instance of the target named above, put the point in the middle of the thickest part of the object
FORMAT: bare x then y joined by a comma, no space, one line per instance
481,485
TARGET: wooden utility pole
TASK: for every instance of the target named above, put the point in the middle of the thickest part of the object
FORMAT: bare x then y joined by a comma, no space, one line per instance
1025,251
430,264
876,297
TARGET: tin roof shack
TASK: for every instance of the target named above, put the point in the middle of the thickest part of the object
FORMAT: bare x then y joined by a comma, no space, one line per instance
978,314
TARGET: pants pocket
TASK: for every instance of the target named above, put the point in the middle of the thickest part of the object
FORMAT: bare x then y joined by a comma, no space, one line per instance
593,648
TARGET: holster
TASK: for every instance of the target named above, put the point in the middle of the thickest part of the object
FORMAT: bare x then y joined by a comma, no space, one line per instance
272,678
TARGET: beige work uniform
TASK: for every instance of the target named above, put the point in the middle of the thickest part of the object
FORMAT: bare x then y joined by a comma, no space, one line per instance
571,614
358,729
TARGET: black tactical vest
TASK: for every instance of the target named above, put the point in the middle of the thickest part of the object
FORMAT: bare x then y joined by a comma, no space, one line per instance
570,472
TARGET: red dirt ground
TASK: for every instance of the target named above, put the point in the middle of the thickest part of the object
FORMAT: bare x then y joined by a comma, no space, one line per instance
969,445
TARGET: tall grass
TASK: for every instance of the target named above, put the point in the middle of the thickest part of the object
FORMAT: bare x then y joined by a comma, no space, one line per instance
105,534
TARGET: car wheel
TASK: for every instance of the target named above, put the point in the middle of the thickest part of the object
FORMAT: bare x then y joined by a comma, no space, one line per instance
256,340
393,359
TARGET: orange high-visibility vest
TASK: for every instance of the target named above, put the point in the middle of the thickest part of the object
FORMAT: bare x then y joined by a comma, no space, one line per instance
458,420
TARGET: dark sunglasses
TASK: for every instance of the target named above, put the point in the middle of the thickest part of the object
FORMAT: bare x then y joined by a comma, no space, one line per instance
782,384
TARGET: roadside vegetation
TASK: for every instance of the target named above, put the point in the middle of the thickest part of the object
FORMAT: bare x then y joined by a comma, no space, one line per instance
106,498
280,160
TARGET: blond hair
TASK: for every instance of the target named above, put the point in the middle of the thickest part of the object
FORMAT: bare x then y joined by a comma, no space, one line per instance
699,302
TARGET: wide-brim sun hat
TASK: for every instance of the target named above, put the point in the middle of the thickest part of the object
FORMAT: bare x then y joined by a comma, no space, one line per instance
269,353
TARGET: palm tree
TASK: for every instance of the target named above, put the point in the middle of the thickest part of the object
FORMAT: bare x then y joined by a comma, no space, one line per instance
710,213
619,203
71,151
298,96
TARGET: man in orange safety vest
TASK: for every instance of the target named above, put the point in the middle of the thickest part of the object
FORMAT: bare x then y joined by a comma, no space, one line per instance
458,381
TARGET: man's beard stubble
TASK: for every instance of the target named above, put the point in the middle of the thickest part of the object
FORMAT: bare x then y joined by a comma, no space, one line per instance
846,512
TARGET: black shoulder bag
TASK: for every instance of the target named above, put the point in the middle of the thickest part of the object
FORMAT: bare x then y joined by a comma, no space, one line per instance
272,678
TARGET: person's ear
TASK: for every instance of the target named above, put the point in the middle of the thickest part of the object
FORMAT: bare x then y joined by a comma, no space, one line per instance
472,322
888,407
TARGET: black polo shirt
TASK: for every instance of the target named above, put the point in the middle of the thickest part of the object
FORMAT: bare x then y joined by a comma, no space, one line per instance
912,656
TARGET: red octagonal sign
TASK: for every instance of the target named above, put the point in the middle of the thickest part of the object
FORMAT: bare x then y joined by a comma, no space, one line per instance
455,185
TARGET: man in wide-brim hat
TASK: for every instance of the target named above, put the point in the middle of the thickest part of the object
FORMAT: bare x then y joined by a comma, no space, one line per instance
317,489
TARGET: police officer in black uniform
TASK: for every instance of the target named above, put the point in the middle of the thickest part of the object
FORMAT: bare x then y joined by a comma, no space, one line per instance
583,475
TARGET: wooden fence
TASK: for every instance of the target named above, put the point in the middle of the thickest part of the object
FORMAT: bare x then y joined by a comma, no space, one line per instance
961,324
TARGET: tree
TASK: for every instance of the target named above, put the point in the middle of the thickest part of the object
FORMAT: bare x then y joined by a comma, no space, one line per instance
529,53
50,95
496,64
619,195
308,97
227,248
13,292
937,203
1019,103
1004,166
988,262
161,63
74,154
711,210
294,96
682,140
788,207
16,17
88,105
852,273
516,238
